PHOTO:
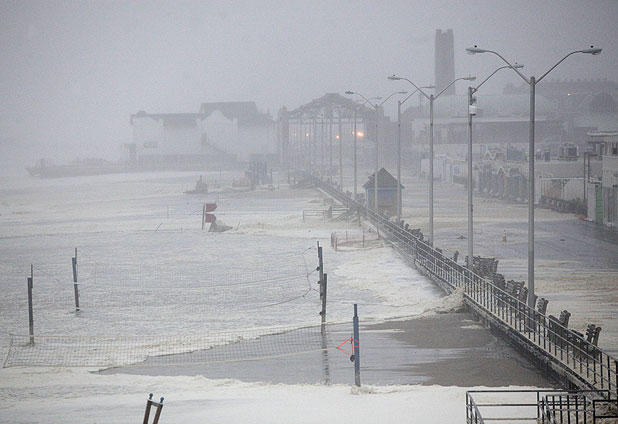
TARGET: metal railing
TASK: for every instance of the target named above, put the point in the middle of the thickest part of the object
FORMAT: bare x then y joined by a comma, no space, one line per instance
584,362
540,406
576,408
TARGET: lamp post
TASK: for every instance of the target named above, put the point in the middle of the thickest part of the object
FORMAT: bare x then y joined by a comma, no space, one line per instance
377,108
471,113
355,138
532,82
431,99
399,103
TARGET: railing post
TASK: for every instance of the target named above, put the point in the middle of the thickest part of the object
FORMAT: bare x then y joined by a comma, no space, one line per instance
616,375
356,344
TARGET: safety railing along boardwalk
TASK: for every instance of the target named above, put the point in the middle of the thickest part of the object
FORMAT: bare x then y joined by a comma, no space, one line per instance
564,351
540,406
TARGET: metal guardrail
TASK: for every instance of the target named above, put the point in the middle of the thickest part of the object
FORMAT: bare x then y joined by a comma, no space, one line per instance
585,364
575,408
539,406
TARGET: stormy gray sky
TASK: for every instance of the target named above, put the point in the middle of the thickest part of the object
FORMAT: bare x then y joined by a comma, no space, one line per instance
71,73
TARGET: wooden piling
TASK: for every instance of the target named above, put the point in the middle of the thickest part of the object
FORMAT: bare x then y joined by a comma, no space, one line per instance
75,286
30,312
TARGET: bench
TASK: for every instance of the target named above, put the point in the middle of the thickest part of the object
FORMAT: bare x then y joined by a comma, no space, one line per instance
512,289
558,328
588,343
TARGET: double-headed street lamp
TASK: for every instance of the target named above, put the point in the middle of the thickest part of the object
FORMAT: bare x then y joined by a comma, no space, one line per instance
355,136
377,108
532,82
399,103
431,99
471,113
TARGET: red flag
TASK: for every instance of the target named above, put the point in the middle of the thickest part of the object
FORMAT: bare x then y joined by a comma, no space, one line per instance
211,207
209,217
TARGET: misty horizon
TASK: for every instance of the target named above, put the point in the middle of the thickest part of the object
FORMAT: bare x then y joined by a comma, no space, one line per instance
73,73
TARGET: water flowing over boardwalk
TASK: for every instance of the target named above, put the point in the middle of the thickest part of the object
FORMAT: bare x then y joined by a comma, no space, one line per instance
564,353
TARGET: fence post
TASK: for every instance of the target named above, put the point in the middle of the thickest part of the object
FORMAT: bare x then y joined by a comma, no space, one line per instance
356,344
30,313
75,287
323,282
323,312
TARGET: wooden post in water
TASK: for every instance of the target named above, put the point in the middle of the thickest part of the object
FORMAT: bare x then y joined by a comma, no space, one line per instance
323,283
30,313
321,266
75,287
323,312
356,344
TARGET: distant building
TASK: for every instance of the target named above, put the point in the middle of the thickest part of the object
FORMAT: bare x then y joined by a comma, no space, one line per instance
240,129
584,105
387,193
219,134
167,140
445,61
603,195
500,120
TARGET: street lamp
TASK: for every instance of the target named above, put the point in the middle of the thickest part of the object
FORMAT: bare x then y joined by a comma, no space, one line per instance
377,108
355,136
471,113
431,99
399,103
532,82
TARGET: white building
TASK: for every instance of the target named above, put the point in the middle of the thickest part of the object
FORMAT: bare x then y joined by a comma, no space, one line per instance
168,140
603,195
240,129
220,133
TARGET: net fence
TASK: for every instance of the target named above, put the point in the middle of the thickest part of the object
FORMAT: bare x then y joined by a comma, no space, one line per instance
355,239
135,312
156,350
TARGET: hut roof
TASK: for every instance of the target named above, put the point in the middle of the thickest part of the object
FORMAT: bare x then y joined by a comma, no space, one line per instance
385,180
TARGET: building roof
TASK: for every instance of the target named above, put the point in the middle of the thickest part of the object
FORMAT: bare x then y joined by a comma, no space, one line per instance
170,119
385,180
325,105
600,121
513,105
246,113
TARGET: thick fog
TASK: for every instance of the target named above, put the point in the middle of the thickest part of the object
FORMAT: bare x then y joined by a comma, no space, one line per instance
71,73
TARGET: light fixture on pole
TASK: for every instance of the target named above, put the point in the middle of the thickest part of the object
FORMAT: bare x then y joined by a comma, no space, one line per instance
471,114
399,199
431,99
355,144
532,82
377,108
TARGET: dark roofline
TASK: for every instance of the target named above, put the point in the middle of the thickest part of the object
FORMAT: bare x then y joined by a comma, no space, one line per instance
382,175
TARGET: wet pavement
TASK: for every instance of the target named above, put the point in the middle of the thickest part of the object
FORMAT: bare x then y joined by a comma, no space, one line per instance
448,349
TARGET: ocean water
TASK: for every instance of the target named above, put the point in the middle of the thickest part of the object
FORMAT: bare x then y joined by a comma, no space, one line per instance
145,266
